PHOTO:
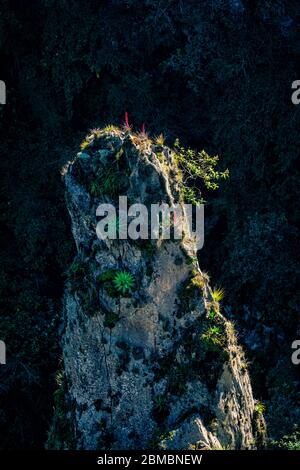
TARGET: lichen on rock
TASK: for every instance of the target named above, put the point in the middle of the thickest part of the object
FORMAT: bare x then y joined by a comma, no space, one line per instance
154,364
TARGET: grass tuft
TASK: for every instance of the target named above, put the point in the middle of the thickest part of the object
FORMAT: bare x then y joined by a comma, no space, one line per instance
218,294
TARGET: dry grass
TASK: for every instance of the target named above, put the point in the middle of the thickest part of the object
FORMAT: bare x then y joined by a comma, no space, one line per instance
198,281
159,140
141,141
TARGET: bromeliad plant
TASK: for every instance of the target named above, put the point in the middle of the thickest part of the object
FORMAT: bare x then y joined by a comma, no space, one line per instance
218,294
123,282
127,127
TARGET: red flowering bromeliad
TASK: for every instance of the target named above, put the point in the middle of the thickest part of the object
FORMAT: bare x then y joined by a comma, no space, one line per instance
126,122
128,126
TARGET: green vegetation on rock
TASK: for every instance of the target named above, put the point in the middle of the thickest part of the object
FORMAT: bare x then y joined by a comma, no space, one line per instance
124,282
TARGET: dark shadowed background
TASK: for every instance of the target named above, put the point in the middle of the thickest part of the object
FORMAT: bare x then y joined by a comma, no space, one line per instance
216,74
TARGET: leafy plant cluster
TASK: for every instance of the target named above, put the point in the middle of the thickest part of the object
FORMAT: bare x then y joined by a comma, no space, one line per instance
212,338
291,442
198,169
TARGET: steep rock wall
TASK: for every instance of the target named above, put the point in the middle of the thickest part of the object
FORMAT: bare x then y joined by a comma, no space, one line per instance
157,366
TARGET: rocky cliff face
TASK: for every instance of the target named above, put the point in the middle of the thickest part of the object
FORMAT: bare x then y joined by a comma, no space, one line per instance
155,365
